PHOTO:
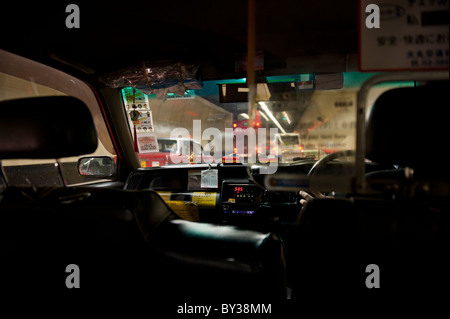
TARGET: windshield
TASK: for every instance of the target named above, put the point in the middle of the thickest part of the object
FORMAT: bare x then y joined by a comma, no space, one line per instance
295,120
290,139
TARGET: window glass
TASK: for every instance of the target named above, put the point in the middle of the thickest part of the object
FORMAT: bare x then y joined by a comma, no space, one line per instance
309,121
20,78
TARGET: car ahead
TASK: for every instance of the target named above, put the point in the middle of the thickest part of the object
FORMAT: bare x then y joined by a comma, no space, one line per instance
242,121
175,151
288,146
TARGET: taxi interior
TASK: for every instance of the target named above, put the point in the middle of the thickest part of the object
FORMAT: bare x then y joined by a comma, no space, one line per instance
151,235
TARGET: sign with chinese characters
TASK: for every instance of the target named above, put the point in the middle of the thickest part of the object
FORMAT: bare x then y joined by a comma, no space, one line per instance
400,35
147,142
210,178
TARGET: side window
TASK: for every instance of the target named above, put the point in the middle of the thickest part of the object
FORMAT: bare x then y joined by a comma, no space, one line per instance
20,78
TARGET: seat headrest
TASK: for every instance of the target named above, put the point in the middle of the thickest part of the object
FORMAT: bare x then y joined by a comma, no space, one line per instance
408,126
46,127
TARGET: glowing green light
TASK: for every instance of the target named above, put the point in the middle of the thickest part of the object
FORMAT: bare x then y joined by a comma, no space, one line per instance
231,81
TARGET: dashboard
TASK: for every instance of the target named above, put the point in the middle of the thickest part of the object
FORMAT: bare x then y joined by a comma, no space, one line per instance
243,202
229,197
231,193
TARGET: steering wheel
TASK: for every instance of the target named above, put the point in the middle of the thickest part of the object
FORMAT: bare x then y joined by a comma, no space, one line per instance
324,160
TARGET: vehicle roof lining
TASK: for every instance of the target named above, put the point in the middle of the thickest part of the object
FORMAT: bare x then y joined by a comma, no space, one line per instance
212,35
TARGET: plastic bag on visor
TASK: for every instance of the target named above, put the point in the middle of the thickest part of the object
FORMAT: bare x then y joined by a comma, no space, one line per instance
156,79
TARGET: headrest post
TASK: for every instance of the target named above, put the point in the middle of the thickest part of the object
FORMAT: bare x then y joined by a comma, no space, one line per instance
3,178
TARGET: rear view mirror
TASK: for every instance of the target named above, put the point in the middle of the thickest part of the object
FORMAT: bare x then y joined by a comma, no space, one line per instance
97,166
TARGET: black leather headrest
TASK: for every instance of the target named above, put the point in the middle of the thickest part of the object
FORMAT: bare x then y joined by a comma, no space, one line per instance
46,127
408,126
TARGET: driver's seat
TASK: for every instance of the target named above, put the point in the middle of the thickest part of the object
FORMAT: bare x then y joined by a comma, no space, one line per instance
406,128
402,225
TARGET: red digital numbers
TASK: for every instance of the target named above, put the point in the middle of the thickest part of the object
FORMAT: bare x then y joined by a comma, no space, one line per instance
238,189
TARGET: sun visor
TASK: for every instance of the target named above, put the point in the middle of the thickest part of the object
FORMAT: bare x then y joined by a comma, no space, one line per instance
46,128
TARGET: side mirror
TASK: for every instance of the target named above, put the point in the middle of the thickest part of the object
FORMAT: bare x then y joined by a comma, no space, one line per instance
97,166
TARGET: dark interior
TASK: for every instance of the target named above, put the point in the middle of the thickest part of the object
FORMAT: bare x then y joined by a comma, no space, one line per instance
263,247
294,36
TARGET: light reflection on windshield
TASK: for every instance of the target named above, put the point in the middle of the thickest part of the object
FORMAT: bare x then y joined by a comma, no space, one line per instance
310,123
